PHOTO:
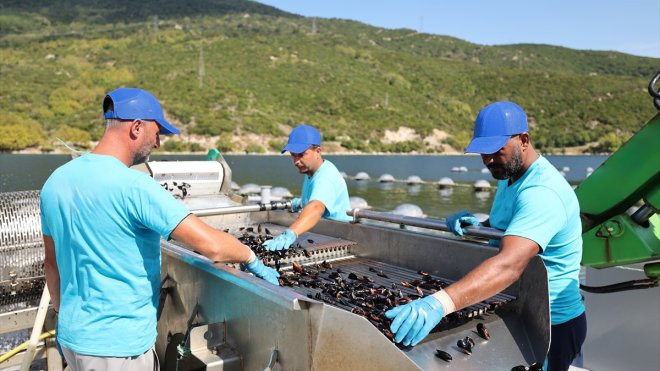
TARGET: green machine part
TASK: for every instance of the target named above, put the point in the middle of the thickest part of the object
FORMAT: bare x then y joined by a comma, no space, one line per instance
629,176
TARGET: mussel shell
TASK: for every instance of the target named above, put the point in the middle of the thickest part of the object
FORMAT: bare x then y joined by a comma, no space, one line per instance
483,331
464,347
536,366
443,355
519,368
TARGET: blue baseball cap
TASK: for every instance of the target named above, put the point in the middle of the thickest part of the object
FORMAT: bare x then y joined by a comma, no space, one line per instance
136,104
301,138
495,124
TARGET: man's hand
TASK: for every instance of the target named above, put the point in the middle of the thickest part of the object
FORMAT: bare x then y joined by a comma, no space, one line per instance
281,242
260,270
296,205
413,321
461,219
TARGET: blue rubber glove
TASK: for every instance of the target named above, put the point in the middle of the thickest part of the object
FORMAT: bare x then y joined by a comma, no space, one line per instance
461,219
296,205
260,270
413,321
281,242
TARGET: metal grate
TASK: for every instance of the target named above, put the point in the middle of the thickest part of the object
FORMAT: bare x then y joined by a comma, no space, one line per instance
383,275
21,248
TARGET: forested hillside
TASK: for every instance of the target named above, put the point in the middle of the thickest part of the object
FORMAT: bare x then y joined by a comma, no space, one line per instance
238,75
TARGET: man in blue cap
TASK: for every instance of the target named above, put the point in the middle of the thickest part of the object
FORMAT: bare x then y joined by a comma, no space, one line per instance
102,223
324,192
539,214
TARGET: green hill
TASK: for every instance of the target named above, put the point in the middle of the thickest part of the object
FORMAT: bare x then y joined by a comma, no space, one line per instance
238,70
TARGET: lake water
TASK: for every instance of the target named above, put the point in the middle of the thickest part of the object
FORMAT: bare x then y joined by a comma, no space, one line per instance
28,172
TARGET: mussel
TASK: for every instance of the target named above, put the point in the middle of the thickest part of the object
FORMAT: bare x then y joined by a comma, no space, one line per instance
465,345
483,331
536,366
443,355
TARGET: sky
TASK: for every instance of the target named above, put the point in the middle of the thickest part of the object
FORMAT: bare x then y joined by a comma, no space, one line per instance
628,26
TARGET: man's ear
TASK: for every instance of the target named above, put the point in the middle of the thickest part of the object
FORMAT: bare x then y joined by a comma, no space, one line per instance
135,128
524,138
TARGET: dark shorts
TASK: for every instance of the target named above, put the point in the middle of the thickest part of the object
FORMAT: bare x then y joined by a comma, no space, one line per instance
566,340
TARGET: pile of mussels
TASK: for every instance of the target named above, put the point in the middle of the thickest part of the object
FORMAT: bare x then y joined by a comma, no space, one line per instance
347,290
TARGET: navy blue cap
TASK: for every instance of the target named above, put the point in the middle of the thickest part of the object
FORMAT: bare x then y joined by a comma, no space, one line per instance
136,104
301,138
495,124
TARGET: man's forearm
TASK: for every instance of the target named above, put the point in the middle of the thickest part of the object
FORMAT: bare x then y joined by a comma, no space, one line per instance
53,283
52,272
308,218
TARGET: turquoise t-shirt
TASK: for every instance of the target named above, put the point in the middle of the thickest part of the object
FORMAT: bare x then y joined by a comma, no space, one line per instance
106,221
541,206
329,187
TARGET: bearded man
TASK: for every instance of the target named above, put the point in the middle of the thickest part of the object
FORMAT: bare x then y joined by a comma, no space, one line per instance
539,214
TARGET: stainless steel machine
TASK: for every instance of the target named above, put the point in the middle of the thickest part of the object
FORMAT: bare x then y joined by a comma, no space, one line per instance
215,316
248,323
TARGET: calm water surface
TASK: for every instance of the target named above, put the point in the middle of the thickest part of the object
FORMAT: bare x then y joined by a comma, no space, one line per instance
28,172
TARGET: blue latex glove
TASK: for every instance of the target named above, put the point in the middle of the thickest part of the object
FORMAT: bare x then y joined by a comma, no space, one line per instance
296,204
413,321
282,241
260,270
461,219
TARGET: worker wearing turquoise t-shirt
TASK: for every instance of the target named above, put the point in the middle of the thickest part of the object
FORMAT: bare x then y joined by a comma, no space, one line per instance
102,222
539,214
324,191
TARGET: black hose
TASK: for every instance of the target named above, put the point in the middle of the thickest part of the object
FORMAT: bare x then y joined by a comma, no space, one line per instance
654,93
621,286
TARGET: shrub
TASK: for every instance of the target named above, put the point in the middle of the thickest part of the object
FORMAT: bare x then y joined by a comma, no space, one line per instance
254,148
224,144
73,136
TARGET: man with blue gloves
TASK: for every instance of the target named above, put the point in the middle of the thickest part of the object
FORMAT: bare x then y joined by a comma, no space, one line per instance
539,214
324,192
102,222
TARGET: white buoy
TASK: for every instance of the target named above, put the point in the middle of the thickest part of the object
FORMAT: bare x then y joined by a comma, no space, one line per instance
234,186
463,169
358,202
456,169
445,182
566,169
250,188
280,192
481,185
343,174
409,210
590,169
362,176
414,179
386,178
562,173
485,171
